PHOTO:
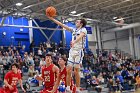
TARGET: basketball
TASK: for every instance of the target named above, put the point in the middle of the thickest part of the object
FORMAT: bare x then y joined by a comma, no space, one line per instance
51,11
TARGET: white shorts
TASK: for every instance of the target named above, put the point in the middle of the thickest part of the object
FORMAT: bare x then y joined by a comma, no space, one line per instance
75,58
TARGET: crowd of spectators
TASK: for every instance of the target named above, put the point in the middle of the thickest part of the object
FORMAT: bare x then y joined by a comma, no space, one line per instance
119,72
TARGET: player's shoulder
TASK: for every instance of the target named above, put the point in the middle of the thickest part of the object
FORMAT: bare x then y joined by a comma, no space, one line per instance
83,29
43,67
55,68
9,72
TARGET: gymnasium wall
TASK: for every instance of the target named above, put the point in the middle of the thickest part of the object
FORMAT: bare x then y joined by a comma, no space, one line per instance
38,36
20,34
137,42
118,40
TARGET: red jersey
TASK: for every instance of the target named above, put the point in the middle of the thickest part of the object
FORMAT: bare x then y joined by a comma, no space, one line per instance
49,76
12,79
63,75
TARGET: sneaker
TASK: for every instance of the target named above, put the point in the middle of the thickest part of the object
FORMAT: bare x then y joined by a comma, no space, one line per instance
68,90
78,91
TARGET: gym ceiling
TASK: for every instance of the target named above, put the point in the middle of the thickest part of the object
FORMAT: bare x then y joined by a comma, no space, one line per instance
99,11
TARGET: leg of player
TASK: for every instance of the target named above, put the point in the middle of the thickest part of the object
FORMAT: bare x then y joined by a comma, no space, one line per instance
78,61
68,78
77,78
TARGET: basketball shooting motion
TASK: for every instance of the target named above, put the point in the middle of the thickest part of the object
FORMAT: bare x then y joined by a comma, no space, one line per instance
77,45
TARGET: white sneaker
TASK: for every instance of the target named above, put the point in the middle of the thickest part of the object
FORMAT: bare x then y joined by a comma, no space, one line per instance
68,90
78,91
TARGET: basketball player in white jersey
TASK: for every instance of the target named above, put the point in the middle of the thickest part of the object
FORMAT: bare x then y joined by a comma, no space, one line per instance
76,52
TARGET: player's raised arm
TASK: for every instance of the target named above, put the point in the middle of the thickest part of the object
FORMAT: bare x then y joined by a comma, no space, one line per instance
60,24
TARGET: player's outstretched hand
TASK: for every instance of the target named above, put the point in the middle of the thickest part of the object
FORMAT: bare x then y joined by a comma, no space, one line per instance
23,90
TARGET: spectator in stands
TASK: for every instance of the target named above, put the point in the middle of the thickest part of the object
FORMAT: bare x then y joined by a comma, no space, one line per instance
31,71
14,49
94,82
30,59
2,49
87,79
6,61
100,78
42,61
48,44
39,52
9,50
119,81
22,51
44,45
124,72
25,60
44,52
37,63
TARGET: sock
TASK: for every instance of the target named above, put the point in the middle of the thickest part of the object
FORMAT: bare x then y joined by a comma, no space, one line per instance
78,88
68,87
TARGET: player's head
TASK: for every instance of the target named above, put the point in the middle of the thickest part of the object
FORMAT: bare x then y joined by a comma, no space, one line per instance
80,23
14,67
62,61
48,58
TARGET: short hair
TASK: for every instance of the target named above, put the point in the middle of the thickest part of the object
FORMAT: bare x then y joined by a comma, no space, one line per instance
84,22
15,64
64,58
48,54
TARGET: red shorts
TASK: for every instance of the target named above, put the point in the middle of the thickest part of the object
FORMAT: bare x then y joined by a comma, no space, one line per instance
4,90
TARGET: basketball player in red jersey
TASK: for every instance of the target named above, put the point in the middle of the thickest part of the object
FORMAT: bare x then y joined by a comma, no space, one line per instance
11,79
49,74
62,74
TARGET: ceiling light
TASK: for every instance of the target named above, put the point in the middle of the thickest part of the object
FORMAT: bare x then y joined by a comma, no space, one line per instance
73,12
78,14
127,0
19,4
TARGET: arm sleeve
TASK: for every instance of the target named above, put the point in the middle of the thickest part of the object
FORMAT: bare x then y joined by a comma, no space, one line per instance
84,31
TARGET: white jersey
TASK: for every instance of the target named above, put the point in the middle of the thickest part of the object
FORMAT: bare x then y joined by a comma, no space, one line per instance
81,43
